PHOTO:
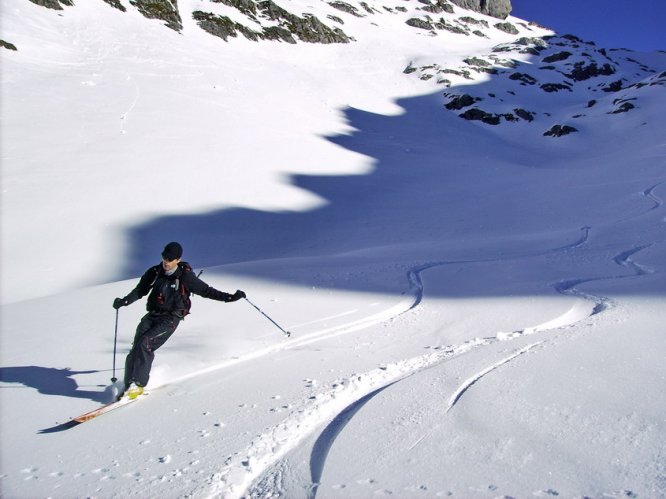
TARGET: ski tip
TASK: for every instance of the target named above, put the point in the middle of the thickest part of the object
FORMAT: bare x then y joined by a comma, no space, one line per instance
60,427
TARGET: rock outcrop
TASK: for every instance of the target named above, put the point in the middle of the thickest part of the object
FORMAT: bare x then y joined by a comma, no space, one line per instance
289,28
165,10
53,4
495,8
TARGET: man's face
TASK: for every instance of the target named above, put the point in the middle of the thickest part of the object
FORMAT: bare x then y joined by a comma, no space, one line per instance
169,265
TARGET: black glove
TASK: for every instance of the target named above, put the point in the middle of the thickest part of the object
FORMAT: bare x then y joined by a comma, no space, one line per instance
238,295
120,302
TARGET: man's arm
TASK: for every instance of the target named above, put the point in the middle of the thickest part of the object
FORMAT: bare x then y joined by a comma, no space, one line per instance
198,287
141,289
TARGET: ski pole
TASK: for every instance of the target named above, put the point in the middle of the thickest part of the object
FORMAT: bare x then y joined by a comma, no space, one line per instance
115,341
287,333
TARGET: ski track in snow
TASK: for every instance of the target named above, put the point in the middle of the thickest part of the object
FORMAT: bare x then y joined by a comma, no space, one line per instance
649,193
125,115
467,384
347,396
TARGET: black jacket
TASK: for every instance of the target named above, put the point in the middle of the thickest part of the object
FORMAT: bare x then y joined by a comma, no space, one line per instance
170,293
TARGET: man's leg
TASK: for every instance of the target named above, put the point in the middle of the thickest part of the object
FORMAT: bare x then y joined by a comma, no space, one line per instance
151,337
145,325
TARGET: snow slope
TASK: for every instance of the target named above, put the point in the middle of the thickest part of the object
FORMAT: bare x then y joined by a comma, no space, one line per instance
475,310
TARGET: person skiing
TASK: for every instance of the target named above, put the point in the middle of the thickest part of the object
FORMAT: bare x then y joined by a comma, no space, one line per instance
169,284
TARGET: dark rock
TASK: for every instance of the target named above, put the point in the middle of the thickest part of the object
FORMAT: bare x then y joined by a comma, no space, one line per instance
591,103
616,86
463,73
538,43
525,78
277,33
312,30
416,22
507,28
164,10
475,22
560,56
53,4
116,4
495,8
308,28
7,45
461,101
442,24
223,27
559,131
573,38
438,7
582,72
345,7
505,63
367,8
247,7
476,61
526,115
476,114
623,108
555,87
409,69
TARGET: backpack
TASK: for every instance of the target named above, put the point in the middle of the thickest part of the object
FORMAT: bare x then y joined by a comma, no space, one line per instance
169,294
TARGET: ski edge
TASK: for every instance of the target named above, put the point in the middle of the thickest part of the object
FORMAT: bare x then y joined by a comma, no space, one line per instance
103,410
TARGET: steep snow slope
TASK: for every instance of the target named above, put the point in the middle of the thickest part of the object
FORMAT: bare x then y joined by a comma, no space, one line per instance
476,309
164,124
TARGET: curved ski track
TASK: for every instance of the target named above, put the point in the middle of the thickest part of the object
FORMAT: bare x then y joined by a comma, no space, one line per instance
346,397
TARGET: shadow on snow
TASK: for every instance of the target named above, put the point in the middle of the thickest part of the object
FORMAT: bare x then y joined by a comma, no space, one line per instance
49,381
438,182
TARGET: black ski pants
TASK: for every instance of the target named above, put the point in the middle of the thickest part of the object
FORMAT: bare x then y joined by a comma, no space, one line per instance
151,333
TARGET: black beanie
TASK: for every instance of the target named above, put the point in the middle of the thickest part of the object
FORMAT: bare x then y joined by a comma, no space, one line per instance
172,251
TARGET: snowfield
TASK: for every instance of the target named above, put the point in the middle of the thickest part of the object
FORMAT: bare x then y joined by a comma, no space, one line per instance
475,310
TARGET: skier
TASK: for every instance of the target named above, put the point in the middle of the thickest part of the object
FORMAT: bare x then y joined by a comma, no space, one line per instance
169,284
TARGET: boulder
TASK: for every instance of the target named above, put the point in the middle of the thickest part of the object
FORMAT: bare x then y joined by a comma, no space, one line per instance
560,56
416,22
507,28
460,101
559,131
524,78
476,114
523,114
7,45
